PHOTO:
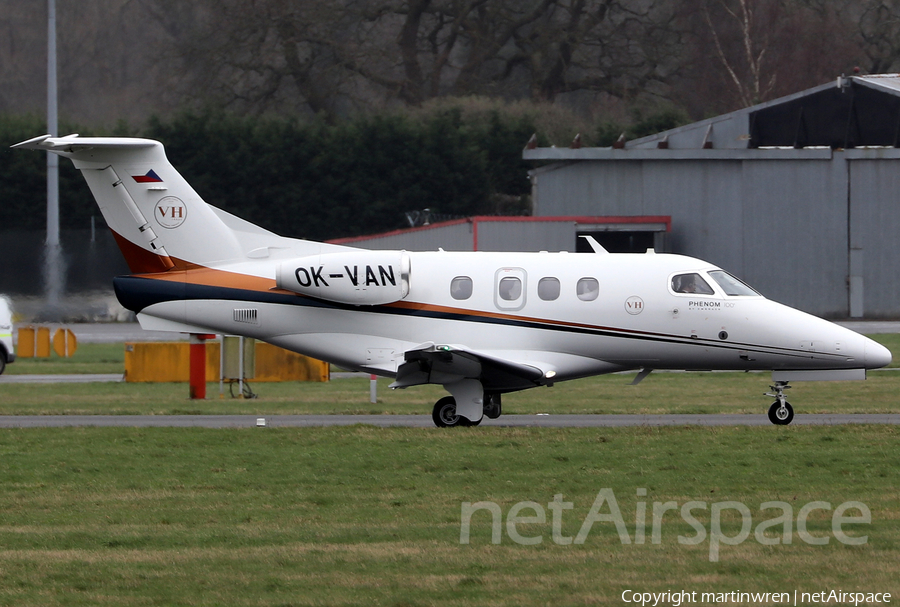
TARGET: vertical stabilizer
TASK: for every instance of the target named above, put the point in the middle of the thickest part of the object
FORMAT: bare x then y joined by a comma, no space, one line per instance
158,220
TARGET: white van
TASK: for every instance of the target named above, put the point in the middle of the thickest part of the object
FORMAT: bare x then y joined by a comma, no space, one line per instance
7,353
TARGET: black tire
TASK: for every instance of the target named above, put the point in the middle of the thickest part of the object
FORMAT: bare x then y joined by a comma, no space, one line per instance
444,413
779,416
2,361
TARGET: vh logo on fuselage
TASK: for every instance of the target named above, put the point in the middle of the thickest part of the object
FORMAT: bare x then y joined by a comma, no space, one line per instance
634,305
377,276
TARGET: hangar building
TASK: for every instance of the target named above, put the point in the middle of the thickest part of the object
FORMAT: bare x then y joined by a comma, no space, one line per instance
799,196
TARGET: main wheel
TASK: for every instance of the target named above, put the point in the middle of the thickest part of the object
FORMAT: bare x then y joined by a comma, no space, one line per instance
2,362
444,413
781,415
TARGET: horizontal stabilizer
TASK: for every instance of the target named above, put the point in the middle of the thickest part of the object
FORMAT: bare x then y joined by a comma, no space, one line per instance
74,143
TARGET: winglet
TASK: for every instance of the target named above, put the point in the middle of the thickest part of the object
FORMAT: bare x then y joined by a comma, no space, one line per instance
32,144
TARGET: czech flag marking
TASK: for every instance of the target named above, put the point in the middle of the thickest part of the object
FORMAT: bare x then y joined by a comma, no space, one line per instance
150,177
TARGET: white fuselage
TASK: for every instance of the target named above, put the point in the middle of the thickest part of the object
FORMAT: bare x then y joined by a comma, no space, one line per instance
634,320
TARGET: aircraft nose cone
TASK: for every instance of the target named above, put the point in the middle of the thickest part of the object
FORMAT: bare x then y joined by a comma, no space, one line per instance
877,356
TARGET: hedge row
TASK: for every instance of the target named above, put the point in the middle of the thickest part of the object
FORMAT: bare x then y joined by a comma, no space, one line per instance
300,179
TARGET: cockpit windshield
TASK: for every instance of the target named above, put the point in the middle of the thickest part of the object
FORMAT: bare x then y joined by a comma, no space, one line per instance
691,283
731,285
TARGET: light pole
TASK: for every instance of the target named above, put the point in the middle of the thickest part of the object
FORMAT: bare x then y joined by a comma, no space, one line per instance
54,275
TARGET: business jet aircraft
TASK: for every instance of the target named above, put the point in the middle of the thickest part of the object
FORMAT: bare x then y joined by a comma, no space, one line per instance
479,324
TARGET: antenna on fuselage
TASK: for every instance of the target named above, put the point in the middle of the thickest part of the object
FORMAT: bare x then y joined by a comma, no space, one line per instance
596,246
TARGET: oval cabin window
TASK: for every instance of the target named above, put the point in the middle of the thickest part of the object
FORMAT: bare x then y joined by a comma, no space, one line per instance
548,288
588,289
510,288
461,287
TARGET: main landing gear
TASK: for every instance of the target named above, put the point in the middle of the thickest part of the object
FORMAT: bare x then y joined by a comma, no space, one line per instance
444,412
780,413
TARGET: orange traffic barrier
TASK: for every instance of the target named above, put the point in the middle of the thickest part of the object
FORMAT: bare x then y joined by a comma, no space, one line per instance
25,342
33,342
170,362
64,343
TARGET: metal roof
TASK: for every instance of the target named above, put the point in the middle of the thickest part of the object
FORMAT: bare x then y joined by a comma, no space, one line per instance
850,112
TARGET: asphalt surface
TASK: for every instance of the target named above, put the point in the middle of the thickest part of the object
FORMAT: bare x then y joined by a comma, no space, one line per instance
84,378
424,421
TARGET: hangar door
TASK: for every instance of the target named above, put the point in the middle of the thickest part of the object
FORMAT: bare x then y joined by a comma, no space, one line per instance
623,237
874,226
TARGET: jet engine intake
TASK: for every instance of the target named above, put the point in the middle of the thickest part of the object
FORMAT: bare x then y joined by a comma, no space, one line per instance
362,278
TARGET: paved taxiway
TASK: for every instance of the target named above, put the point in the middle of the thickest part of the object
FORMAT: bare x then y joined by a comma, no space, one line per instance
424,421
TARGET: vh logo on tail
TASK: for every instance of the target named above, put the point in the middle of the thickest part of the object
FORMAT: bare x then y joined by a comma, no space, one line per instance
170,212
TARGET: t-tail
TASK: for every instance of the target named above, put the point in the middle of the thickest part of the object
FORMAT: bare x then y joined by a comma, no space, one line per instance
159,222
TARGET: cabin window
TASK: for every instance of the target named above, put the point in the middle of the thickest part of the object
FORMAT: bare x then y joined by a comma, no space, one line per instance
691,283
510,288
587,289
731,285
461,287
548,288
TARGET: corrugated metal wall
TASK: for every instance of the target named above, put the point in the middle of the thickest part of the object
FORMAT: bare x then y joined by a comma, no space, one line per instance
816,232
453,237
526,236
496,234
781,224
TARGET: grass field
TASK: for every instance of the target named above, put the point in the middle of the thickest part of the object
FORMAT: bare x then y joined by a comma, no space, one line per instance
367,516
88,358
373,516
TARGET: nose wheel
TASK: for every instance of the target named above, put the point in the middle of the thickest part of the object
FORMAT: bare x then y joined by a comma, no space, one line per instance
781,413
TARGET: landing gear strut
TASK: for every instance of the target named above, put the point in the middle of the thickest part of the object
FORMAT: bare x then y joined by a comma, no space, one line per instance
492,406
780,413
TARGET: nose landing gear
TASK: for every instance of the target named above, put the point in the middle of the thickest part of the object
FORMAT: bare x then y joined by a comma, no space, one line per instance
780,413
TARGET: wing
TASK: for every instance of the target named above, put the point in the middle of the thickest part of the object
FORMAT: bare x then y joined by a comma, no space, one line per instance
431,364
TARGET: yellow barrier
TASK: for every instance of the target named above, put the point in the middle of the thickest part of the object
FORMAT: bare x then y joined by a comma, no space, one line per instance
25,342
64,343
33,342
170,362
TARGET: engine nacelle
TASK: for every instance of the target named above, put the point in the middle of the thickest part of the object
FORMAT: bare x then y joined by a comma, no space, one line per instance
362,278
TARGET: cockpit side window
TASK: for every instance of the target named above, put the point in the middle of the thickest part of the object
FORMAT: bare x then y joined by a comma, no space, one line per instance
691,283
731,285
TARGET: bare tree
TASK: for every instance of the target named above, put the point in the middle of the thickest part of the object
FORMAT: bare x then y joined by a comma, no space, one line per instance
746,68
328,57
879,29
744,52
